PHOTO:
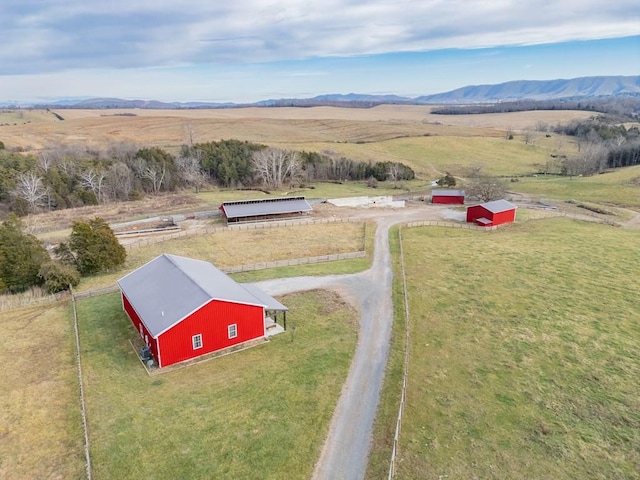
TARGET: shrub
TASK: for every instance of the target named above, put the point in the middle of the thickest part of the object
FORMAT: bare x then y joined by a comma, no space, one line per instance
57,276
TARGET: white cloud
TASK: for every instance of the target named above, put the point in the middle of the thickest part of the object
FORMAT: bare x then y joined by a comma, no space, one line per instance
50,36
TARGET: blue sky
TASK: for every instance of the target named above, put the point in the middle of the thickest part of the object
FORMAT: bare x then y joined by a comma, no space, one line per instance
248,50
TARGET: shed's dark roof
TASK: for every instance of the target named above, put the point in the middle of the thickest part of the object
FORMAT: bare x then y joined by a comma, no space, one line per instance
448,193
265,206
498,206
169,288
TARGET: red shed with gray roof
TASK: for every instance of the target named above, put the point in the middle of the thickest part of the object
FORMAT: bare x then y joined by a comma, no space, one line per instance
491,214
264,209
184,308
450,197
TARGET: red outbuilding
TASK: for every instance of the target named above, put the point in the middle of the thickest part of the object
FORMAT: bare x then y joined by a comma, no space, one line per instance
451,197
491,214
184,308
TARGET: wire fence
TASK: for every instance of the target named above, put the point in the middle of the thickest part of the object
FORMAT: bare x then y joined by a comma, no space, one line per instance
83,408
405,376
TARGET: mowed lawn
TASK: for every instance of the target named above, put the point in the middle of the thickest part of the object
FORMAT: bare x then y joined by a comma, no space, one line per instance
524,353
260,413
40,426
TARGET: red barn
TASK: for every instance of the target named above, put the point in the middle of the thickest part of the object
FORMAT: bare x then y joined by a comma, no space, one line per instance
451,197
492,213
184,308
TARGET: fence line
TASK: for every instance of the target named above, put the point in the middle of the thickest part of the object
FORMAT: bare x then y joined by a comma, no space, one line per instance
405,376
19,300
436,223
240,226
294,262
83,408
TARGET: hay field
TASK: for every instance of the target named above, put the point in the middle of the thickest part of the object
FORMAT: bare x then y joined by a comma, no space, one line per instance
272,126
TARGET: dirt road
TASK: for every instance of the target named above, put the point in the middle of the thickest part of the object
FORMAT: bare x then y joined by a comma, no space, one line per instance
346,449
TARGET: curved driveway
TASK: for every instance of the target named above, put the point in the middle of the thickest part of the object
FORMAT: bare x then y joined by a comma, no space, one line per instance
346,449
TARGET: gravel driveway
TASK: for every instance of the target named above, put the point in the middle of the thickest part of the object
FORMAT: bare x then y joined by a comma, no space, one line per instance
346,449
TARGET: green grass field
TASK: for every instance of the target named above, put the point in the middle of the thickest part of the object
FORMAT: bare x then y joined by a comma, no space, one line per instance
431,156
523,354
619,187
260,413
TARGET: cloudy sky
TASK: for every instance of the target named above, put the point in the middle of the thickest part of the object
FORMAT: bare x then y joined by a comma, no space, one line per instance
247,50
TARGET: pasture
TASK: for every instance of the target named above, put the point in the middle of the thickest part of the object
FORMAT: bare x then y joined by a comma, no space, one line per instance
523,356
244,247
40,426
617,188
262,413
271,126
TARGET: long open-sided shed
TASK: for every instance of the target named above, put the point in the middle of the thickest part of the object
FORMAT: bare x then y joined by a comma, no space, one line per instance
184,308
491,214
265,209
450,197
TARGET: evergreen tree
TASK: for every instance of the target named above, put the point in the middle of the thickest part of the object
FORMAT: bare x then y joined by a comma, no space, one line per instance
21,256
94,247
57,276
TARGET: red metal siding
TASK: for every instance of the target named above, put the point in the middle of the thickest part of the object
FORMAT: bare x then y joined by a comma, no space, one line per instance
211,321
449,200
477,211
137,324
508,216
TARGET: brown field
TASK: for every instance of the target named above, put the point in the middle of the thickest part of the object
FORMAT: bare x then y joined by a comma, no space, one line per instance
274,126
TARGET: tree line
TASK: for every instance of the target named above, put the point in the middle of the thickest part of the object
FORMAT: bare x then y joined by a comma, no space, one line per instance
622,106
602,144
65,177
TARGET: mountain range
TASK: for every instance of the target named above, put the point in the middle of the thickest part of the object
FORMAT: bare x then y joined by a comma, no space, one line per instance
560,89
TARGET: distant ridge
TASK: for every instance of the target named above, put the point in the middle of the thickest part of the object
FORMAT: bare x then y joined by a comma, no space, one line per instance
539,90
560,89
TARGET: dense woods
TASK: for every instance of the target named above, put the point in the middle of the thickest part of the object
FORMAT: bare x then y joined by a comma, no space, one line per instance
60,177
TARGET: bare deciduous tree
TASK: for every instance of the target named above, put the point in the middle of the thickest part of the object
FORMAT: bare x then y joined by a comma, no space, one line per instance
275,166
94,179
486,188
31,188
119,181
156,175
190,170
189,133
45,160
393,173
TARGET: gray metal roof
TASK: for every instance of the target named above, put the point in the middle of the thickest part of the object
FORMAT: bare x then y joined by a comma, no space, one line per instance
169,288
448,193
266,206
498,206
270,302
